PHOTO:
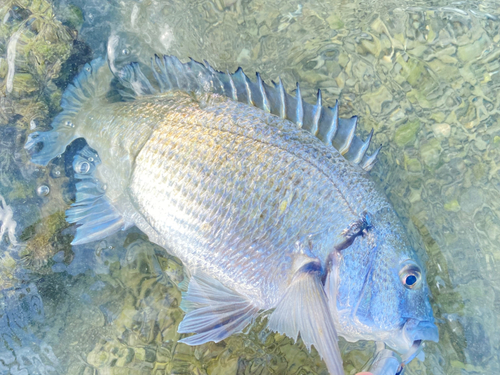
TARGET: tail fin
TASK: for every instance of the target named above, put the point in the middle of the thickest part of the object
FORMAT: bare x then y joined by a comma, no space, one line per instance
86,88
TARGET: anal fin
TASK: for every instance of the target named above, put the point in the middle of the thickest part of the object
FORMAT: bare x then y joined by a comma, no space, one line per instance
214,312
304,309
92,211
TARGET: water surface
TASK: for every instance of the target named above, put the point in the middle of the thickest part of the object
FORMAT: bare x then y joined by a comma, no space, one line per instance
423,74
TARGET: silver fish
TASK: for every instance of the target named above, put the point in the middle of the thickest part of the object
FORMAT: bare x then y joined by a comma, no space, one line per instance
265,198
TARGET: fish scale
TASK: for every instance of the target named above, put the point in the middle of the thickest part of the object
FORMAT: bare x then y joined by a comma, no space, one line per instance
264,197
181,189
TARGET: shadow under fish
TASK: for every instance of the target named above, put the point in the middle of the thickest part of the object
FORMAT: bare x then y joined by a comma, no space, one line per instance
265,198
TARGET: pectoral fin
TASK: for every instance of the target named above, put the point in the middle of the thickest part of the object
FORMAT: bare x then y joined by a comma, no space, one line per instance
304,309
214,312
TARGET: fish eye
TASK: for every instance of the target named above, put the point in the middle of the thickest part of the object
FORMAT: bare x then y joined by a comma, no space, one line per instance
410,275
410,280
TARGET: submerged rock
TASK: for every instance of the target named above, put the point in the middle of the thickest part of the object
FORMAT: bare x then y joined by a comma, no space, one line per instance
34,45
407,133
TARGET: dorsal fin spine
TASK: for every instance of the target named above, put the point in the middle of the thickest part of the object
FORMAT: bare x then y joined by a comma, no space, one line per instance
363,149
247,87
180,74
241,89
332,130
169,60
350,135
282,98
219,89
191,76
317,114
299,109
265,100
234,92
164,76
200,75
370,161
155,73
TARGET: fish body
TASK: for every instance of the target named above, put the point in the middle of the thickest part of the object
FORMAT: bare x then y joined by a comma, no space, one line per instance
266,206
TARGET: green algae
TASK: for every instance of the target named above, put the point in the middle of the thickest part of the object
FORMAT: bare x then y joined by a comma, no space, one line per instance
413,71
40,51
71,16
431,152
8,267
376,99
407,133
469,52
452,206
42,240
335,22
413,165
21,190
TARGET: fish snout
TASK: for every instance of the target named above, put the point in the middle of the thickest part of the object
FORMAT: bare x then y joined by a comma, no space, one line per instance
423,330
414,333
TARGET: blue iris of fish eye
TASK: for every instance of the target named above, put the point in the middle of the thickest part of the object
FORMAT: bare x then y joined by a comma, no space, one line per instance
411,280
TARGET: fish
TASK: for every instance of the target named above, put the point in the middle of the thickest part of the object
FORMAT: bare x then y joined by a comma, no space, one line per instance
265,198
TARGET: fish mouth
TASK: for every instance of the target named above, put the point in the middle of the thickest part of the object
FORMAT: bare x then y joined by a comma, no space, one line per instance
415,332
409,344
409,338
387,362
420,330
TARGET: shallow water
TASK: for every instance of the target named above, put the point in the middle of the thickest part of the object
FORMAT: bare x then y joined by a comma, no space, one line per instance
422,74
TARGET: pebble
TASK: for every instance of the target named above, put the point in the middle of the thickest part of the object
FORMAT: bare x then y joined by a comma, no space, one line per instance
441,130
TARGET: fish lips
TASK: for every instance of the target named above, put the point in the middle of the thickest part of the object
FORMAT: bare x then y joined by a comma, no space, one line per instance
408,340
414,332
423,330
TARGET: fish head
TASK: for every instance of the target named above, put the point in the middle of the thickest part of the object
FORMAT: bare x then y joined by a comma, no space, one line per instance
377,288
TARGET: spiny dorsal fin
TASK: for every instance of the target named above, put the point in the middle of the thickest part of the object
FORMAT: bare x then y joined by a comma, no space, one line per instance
321,121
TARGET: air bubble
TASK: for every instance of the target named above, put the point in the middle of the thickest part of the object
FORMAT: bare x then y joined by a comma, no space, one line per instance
42,190
57,172
82,167
32,124
91,159
69,124
125,51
